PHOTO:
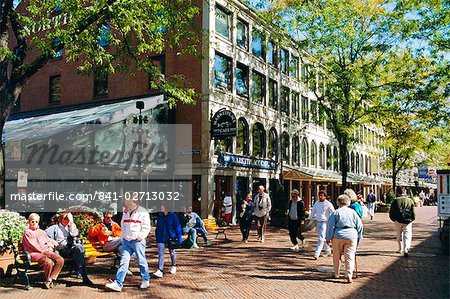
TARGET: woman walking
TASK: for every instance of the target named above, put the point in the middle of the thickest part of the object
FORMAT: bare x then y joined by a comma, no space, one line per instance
246,216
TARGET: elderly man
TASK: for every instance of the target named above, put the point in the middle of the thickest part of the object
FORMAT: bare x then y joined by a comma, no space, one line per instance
107,233
403,214
64,234
295,218
262,209
135,229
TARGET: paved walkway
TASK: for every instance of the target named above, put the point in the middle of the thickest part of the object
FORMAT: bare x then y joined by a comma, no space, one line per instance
232,269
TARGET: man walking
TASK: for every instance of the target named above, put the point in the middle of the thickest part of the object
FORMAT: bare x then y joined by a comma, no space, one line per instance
295,217
263,206
403,214
371,200
322,209
135,228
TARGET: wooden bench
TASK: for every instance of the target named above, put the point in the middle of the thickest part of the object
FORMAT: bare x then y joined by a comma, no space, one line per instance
212,226
23,263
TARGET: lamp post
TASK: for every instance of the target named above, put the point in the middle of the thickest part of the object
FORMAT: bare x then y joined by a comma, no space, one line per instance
139,119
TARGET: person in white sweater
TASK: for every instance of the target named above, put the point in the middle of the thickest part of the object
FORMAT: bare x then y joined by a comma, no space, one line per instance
135,229
322,209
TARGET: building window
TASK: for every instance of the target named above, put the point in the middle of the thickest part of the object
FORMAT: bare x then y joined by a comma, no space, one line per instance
336,159
158,64
242,34
222,22
273,144
104,35
295,105
284,61
304,74
242,80
258,44
313,109
305,110
242,145
272,54
285,146
322,156
293,68
313,154
258,87
329,157
223,145
321,120
273,97
305,152
222,71
100,82
259,140
284,100
296,150
54,89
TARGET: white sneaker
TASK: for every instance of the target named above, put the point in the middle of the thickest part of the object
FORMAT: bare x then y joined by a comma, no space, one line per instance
158,273
295,247
145,284
173,270
195,245
114,286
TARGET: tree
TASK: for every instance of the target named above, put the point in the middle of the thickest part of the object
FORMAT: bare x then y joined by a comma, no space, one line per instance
33,32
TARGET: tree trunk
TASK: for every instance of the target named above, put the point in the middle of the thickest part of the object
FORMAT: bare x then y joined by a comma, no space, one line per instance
2,174
394,174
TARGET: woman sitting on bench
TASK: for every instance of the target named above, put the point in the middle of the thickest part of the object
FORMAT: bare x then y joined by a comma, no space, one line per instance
42,250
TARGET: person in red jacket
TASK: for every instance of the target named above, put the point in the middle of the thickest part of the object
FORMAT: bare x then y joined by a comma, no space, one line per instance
108,233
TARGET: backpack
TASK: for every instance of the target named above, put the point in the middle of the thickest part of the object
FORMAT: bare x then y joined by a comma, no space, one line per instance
406,214
188,243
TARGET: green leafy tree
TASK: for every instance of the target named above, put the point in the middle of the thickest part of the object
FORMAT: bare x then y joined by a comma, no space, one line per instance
35,31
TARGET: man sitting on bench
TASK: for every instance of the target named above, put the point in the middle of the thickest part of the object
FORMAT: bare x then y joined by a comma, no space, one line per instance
108,233
64,233
193,226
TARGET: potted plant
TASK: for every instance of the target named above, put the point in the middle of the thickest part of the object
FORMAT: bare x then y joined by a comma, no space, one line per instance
12,227
83,218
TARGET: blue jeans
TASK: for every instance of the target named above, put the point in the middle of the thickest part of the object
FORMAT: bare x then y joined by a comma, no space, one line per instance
372,208
130,247
321,231
161,251
192,232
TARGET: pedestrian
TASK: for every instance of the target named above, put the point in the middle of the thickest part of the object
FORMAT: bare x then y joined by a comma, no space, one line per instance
262,209
344,232
246,216
168,234
135,229
322,209
403,214
295,217
65,233
194,226
355,205
107,233
42,250
372,201
228,207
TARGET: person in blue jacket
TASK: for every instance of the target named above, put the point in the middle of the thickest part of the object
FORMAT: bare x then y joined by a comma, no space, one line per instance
168,231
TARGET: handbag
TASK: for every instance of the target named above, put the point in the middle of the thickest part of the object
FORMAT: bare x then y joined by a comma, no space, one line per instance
173,244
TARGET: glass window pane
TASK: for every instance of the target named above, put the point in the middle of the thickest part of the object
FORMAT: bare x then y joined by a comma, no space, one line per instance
284,61
242,80
104,35
293,69
285,100
222,71
55,89
242,34
273,90
258,44
258,87
272,53
222,22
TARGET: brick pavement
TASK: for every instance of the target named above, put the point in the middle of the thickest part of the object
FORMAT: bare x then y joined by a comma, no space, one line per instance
232,269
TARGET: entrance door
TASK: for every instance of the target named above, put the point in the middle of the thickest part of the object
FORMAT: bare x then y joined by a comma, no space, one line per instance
256,183
241,191
222,186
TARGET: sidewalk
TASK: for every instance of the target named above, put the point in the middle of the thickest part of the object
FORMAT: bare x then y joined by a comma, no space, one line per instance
232,269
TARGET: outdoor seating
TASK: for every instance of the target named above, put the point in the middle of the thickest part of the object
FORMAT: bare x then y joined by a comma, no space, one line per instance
212,226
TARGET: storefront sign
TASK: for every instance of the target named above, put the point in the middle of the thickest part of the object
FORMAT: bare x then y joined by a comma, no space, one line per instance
223,124
423,171
249,162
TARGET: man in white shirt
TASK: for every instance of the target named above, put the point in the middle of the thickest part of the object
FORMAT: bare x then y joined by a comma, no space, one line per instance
322,209
135,228
228,205
263,206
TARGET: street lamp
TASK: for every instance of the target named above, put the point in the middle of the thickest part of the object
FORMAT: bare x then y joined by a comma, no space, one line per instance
139,119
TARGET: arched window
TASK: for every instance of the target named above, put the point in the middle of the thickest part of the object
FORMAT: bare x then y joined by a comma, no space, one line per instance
305,152
357,163
361,164
321,155
285,146
259,140
313,154
329,157
273,144
296,150
336,159
352,162
242,146
366,165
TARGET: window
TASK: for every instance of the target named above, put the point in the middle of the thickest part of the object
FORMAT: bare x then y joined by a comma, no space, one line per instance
329,157
305,110
273,97
242,80
258,87
273,144
242,34
322,156
259,140
284,61
304,73
242,146
104,35
272,54
293,68
159,68
313,154
295,105
313,109
336,159
258,44
285,146
222,71
296,150
222,22
321,116
223,145
100,82
284,100
305,152
54,89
